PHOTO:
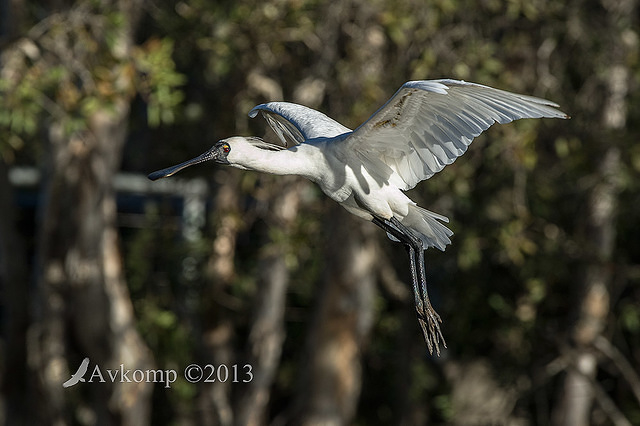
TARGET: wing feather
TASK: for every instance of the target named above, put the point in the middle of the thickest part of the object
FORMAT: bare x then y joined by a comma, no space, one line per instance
427,125
298,123
287,133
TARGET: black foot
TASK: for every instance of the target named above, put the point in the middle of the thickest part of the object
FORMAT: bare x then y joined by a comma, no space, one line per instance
428,318
430,323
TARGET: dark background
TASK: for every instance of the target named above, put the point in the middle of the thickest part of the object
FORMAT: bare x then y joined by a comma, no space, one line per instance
538,292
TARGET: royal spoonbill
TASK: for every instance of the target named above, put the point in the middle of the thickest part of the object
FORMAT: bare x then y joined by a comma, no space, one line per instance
422,128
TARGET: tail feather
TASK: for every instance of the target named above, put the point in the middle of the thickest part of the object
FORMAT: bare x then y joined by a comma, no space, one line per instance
427,224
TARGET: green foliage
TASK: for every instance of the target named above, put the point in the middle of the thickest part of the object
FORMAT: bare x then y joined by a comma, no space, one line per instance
506,288
516,198
74,64
150,251
158,79
630,318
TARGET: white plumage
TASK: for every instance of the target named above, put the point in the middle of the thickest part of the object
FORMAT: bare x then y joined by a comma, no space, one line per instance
425,126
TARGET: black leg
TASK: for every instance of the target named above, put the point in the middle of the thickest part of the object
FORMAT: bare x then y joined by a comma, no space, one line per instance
428,318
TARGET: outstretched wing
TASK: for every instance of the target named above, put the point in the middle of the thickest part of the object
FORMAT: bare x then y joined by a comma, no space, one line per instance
294,124
426,125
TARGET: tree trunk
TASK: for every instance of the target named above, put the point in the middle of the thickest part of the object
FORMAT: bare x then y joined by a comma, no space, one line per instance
594,305
13,284
267,329
83,307
578,394
329,391
217,344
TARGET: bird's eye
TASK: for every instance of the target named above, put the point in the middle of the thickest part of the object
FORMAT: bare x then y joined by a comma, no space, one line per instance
226,148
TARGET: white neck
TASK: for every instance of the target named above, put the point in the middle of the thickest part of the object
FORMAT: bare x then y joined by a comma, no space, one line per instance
298,160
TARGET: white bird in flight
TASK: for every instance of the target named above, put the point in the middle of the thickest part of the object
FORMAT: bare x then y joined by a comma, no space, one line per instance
425,126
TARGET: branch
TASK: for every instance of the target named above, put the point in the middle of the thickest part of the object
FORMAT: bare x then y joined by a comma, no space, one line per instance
566,362
606,403
628,373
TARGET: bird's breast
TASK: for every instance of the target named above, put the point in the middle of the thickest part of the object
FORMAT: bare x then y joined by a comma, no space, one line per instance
343,181
335,187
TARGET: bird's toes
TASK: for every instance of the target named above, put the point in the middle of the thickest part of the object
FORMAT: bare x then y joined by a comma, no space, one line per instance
430,325
429,337
434,316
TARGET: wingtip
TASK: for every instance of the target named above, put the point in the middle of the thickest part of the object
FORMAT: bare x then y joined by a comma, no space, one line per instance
435,86
561,115
255,109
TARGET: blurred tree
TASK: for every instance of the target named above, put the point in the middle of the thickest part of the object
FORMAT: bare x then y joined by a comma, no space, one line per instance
514,289
13,265
267,328
330,387
596,283
77,70
13,282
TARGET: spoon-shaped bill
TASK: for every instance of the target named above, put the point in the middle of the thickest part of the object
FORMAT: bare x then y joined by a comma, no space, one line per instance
170,171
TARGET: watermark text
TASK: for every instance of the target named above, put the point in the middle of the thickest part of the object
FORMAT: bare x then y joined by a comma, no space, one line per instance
193,373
